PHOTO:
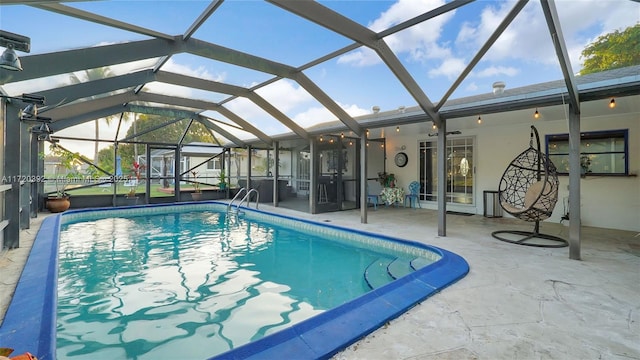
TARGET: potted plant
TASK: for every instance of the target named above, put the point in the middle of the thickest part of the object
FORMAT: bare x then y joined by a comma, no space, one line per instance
66,173
222,181
134,181
196,195
386,180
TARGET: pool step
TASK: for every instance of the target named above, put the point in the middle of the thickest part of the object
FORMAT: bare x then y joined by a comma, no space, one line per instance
385,269
420,262
399,268
376,274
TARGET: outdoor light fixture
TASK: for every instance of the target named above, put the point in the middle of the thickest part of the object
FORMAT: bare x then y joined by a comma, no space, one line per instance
479,120
42,131
434,126
536,115
9,60
30,112
397,128
321,139
342,135
612,103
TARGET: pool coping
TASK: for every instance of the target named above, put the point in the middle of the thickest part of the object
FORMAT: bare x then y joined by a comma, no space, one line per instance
30,317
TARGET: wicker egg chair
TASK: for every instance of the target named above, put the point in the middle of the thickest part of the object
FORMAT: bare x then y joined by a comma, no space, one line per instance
529,191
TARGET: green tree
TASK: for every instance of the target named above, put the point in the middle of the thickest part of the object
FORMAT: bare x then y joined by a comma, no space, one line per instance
613,50
169,134
105,159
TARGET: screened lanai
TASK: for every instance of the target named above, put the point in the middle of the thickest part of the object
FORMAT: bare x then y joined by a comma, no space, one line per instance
297,99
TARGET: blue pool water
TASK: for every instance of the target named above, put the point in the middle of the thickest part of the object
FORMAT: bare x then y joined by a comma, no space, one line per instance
184,290
196,284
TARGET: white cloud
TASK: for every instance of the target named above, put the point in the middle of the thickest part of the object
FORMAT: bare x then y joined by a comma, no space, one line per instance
419,41
354,110
182,91
313,116
583,21
450,68
35,85
527,38
285,95
472,87
319,115
87,131
201,72
492,71
244,107
401,11
360,57
168,89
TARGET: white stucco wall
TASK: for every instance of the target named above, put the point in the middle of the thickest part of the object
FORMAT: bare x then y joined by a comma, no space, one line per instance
606,201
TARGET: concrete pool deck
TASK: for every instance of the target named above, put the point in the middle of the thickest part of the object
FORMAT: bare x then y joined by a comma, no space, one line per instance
516,302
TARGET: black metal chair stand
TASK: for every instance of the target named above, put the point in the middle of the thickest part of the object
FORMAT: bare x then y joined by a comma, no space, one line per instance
529,191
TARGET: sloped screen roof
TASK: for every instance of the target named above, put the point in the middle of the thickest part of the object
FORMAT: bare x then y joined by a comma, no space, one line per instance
255,70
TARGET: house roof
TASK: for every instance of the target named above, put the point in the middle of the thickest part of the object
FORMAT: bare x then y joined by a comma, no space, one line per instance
617,82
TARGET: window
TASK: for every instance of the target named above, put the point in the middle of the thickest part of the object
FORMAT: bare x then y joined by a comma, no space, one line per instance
213,164
601,152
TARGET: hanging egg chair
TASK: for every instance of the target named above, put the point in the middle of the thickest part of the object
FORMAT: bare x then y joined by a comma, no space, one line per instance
529,191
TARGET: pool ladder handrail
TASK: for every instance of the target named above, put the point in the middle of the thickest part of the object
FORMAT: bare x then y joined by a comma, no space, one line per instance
246,198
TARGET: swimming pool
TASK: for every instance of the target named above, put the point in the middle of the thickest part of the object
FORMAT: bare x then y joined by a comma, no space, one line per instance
30,321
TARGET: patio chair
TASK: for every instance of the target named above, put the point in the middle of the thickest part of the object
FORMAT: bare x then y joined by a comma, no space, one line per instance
529,191
412,196
373,199
373,193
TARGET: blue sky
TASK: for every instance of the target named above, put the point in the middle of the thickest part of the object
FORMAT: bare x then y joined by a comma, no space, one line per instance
434,52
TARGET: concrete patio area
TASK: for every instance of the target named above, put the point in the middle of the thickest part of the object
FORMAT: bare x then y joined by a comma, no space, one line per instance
517,302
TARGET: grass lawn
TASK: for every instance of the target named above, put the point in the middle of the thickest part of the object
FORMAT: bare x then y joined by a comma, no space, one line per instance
122,190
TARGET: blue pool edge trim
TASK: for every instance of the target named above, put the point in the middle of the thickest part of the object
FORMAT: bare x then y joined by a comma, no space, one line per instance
30,321
326,334
31,315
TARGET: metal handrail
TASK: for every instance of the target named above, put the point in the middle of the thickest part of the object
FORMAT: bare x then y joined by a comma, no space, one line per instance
247,198
235,197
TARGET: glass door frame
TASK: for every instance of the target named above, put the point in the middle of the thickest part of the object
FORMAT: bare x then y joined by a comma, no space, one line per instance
428,170
164,178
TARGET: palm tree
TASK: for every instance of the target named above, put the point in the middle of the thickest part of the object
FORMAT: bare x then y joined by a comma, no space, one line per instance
92,75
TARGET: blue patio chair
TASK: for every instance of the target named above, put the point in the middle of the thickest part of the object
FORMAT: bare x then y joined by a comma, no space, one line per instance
373,199
412,196
373,194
